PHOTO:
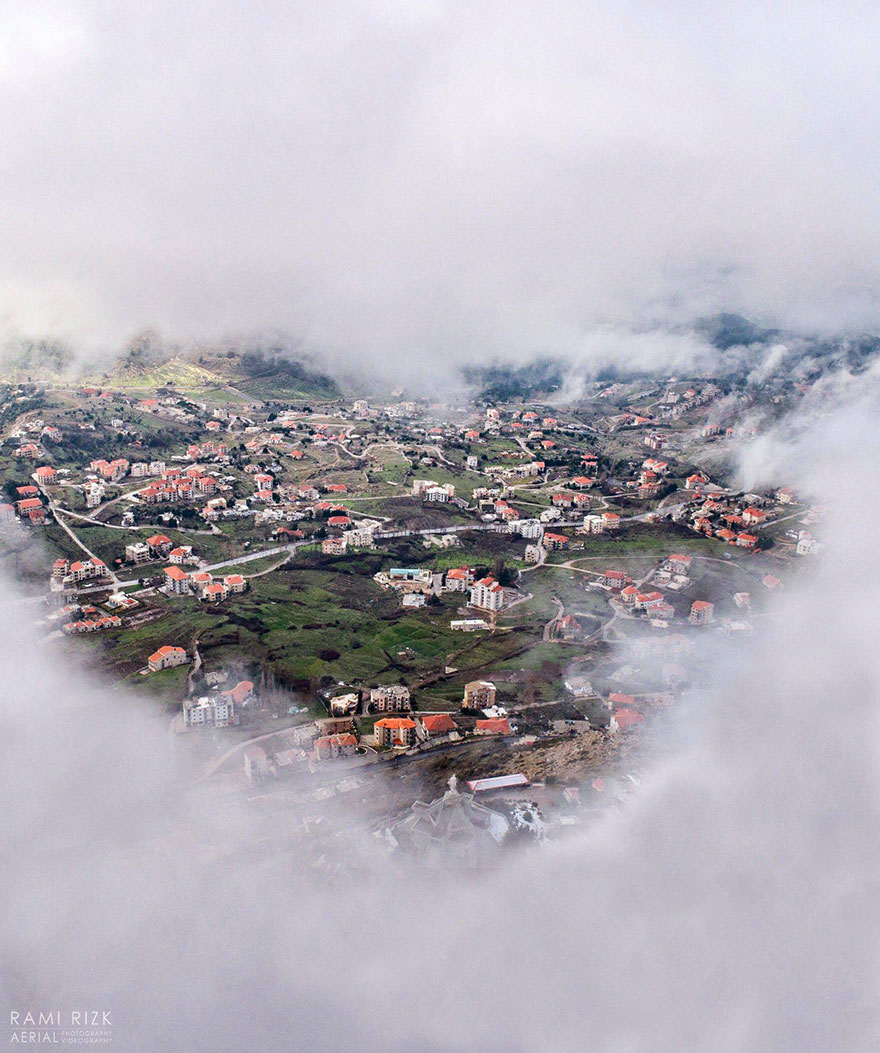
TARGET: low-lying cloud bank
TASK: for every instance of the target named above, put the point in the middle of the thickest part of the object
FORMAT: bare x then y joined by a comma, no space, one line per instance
732,905
434,182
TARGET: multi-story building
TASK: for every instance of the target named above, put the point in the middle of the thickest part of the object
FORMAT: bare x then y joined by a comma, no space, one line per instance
87,570
479,694
394,731
208,711
177,581
487,594
390,698
137,553
458,579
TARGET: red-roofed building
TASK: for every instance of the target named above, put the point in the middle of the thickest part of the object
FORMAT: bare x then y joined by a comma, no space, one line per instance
624,719
555,541
166,658
394,731
176,580
753,516
159,545
493,726
437,724
701,612
239,694
329,747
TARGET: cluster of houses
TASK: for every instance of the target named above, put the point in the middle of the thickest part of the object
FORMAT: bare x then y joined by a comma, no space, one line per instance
180,484
672,575
730,519
67,575
91,620
203,584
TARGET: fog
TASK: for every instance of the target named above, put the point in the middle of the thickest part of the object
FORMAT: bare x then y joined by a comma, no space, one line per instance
410,185
731,904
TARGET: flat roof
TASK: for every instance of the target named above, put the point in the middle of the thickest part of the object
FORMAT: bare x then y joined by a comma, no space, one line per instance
497,782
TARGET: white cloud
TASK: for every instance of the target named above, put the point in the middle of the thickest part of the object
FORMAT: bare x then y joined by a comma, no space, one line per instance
435,181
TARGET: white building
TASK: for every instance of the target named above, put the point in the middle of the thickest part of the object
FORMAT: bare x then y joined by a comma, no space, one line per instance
530,529
487,594
208,711
137,553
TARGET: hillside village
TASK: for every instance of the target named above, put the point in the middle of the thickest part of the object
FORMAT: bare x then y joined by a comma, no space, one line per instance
312,590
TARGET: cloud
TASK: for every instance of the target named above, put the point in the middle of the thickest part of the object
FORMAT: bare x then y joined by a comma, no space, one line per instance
732,904
434,181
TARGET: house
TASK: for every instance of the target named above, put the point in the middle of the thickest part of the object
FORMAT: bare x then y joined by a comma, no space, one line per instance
753,516
616,579
342,705
391,698
137,553
216,592
646,601
493,726
679,564
87,569
159,545
45,475
610,520
333,546
167,657
394,731
479,694
625,719
28,505
181,554
434,724
807,545
256,764
241,693
746,541
329,747
701,612
458,579
555,541
235,583
630,594
201,580
487,594
534,553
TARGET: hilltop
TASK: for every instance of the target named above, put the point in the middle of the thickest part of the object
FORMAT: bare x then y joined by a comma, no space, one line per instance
148,365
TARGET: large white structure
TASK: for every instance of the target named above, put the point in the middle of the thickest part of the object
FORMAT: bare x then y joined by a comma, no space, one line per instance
487,594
